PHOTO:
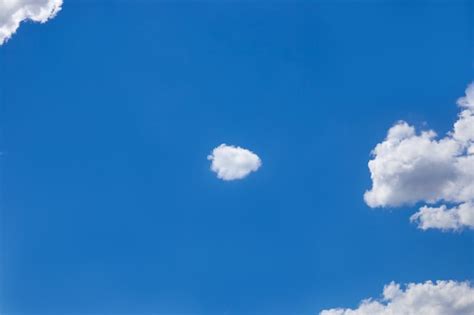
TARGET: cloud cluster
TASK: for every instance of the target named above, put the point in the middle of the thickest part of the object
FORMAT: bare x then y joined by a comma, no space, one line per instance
410,167
13,12
440,298
230,162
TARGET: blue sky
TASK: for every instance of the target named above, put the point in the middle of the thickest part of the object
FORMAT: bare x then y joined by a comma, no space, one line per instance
108,114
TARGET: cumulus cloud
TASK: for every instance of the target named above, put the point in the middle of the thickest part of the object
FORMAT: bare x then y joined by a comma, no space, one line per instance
410,167
231,162
13,12
443,218
440,298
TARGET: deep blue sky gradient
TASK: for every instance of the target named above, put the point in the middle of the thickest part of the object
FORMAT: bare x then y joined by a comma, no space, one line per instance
109,111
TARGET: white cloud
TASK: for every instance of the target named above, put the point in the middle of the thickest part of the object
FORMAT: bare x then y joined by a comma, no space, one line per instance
468,100
443,218
13,12
231,162
410,167
440,298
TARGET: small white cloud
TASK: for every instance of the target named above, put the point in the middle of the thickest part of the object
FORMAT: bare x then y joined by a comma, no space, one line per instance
443,218
408,168
13,12
231,162
440,298
468,100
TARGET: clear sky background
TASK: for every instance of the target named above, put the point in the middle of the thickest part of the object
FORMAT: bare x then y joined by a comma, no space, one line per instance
109,111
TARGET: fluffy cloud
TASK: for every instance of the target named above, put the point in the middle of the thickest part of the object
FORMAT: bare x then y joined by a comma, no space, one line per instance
440,298
13,12
410,167
230,162
443,218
